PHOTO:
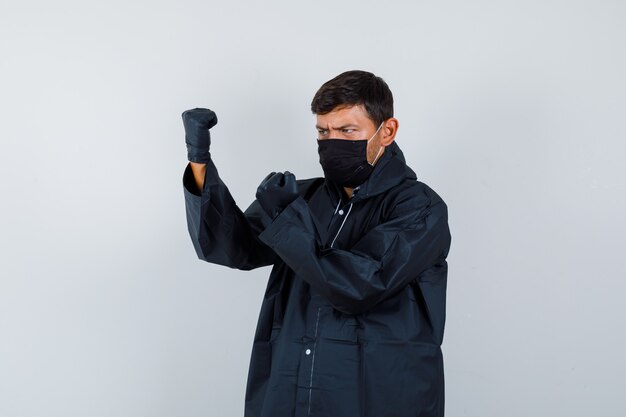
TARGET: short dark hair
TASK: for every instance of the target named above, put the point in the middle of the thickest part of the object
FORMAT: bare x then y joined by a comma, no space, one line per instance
352,88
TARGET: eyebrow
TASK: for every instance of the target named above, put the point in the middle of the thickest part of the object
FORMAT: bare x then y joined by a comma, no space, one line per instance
339,128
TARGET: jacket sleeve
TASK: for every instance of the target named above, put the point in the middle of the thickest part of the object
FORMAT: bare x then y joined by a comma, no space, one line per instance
390,256
220,232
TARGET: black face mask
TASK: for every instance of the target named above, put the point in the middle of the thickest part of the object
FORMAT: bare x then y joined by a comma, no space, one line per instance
345,161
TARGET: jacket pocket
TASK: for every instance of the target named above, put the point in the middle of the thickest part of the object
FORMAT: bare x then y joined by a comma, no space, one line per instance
403,379
336,381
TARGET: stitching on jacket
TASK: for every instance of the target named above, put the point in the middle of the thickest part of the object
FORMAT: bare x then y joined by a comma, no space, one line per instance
342,223
317,322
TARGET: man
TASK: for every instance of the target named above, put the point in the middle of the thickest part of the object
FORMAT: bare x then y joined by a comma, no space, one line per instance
353,315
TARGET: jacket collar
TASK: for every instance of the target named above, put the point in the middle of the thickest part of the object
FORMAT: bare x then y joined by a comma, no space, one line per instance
390,170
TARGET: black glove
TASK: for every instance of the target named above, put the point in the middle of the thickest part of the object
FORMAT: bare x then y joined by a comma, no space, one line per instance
276,191
197,123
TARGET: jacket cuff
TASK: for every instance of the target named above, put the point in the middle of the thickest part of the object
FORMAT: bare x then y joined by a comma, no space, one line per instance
273,233
211,177
189,183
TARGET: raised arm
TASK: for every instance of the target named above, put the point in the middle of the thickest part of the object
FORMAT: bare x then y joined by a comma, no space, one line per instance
220,231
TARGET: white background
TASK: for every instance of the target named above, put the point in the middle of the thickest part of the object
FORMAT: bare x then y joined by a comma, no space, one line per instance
513,111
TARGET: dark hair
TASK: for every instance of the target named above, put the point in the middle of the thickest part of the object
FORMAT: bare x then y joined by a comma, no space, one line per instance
353,88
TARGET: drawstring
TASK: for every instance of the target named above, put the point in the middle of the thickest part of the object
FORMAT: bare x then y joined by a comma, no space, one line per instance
342,223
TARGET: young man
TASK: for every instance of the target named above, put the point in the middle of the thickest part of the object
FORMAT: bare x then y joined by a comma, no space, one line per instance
353,315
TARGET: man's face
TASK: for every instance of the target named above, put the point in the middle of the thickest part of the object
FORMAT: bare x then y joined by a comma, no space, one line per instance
350,123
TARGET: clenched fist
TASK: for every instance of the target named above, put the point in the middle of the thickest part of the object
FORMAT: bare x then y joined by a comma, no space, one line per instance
276,191
197,123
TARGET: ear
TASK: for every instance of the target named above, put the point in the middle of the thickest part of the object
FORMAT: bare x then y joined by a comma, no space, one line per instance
389,130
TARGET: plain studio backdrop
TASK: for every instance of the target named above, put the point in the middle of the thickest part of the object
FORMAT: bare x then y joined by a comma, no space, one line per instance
513,111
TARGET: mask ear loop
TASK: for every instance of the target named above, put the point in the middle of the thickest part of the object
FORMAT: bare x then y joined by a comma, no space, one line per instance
381,148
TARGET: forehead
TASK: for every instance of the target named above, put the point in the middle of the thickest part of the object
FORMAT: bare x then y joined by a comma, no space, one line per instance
345,115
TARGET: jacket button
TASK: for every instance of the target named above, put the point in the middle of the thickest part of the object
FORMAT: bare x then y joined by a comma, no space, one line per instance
341,212
308,351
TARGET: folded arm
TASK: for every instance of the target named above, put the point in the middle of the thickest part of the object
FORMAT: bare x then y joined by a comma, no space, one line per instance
385,260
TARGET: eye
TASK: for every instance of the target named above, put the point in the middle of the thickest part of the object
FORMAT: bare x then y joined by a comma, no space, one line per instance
347,130
322,131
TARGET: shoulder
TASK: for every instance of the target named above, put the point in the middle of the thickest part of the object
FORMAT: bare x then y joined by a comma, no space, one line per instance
415,197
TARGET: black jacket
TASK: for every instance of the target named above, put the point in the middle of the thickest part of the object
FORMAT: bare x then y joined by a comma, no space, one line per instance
353,315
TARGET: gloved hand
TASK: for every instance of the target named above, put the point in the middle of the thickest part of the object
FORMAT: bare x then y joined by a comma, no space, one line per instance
276,191
197,123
